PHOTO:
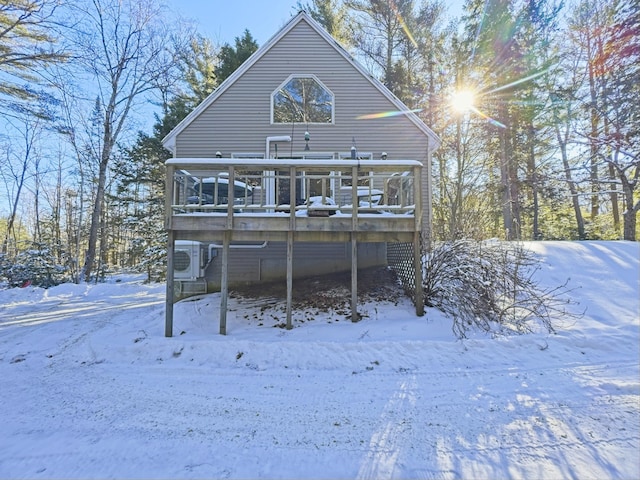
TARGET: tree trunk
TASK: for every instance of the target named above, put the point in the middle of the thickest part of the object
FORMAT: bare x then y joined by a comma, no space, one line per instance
562,143
37,234
613,194
514,197
505,188
96,216
629,216
14,208
630,211
104,242
572,187
509,181
57,212
532,175
593,134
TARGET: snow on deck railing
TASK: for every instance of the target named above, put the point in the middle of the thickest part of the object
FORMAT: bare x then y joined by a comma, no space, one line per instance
320,188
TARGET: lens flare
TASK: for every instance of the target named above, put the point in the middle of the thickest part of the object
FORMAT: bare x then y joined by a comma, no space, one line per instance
517,82
392,113
463,100
492,121
403,24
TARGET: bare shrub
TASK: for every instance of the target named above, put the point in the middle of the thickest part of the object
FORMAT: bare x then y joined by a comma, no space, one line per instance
490,286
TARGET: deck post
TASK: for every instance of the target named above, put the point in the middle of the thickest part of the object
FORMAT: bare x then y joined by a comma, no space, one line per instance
292,226
224,284
171,240
418,296
355,316
417,263
168,306
289,278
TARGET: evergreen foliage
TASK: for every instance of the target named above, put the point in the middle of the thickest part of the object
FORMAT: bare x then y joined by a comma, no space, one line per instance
35,266
27,42
332,15
231,57
550,149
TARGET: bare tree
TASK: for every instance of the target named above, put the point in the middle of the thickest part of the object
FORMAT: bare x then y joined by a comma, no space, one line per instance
18,166
378,33
123,45
605,35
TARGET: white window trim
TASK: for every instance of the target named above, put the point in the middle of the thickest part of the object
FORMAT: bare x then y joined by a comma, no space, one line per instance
247,155
315,78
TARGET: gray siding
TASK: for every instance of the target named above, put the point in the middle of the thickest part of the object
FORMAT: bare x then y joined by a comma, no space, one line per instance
239,120
269,264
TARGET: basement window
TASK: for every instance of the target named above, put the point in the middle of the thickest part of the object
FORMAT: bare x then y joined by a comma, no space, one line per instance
302,99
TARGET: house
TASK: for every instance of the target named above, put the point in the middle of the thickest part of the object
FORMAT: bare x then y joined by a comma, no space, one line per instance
330,172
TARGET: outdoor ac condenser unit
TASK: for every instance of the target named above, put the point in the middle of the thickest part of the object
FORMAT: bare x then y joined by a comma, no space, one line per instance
189,260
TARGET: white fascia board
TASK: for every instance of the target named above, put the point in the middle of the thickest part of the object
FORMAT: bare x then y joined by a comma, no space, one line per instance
169,141
243,162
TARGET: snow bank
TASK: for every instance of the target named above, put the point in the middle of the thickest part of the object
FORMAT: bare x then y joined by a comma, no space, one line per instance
91,387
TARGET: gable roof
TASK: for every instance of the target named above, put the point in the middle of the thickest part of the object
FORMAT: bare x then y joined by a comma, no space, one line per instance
169,141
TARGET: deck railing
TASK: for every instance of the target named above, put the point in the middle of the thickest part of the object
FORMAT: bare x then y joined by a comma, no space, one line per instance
374,189
214,199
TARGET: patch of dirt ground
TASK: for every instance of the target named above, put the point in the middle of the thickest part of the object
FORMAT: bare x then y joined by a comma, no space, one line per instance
328,292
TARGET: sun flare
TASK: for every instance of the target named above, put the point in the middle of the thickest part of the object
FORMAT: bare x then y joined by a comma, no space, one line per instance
463,101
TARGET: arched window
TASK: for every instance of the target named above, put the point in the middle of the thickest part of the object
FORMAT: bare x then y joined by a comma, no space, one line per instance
302,99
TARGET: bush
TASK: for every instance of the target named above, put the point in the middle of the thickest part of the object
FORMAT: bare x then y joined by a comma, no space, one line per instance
490,286
36,266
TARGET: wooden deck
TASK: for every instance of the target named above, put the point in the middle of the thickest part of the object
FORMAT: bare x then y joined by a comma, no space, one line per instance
225,200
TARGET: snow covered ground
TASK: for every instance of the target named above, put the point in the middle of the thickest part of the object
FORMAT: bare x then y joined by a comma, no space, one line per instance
90,387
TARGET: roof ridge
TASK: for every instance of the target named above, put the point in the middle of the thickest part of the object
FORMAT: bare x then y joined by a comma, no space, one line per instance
169,140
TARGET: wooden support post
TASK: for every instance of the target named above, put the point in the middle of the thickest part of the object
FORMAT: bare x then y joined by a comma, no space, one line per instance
355,316
417,263
289,278
292,226
417,250
171,237
168,312
231,197
224,284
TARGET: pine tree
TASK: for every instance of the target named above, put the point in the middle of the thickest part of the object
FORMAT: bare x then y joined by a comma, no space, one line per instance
380,31
332,15
230,58
27,42
141,171
620,135
198,65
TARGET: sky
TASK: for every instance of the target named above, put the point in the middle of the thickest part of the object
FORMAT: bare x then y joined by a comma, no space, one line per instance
224,20
91,387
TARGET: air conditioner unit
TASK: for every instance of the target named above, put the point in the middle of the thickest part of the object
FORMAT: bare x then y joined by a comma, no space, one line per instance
189,260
